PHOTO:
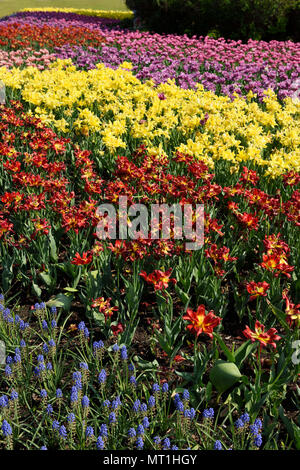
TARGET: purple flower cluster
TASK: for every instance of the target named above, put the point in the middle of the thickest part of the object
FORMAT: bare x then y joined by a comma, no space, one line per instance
138,420
61,19
222,66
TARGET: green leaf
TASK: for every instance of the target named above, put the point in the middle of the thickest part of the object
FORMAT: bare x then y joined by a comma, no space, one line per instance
99,317
255,409
208,391
94,273
46,278
127,335
36,289
61,300
291,427
224,375
184,297
146,365
53,249
187,376
70,289
280,315
244,351
77,279
230,356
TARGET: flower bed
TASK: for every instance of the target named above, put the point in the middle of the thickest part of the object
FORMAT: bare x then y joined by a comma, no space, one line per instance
225,67
100,117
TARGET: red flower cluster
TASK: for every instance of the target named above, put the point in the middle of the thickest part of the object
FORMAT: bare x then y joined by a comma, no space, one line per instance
18,36
265,204
46,190
275,260
291,178
104,307
248,220
249,176
219,256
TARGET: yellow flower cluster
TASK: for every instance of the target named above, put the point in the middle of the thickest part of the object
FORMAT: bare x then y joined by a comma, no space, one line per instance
118,110
114,14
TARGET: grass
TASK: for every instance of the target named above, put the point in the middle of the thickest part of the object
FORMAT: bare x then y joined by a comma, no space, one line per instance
7,7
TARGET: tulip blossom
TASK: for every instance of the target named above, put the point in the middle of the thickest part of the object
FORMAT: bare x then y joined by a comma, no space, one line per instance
86,258
259,334
292,311
158,278
257,289
277,263
200,321
104,307
117,329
